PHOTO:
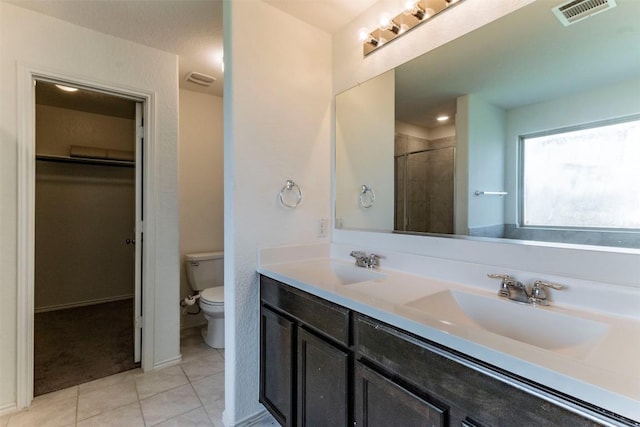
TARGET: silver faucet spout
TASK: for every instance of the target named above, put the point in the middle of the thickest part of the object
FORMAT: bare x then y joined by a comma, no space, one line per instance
370,261
516,291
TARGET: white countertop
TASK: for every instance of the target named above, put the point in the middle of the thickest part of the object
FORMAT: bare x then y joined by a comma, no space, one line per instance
607,376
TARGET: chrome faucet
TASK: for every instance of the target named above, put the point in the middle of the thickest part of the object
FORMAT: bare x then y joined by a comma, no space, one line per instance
370,261
516,291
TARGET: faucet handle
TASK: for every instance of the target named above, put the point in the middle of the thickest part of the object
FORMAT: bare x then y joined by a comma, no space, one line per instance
539,283
374,260
358,254
499,276
504,285
538,294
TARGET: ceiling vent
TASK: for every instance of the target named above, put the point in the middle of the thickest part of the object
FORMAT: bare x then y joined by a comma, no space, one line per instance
199,78
576,10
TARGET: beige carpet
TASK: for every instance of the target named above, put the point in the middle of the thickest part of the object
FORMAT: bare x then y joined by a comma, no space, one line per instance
77,345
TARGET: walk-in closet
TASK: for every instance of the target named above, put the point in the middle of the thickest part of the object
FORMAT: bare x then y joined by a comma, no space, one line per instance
85,215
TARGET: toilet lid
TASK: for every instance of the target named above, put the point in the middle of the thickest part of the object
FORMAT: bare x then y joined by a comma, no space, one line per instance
213,295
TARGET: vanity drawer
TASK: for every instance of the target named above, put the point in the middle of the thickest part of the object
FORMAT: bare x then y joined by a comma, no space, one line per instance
467,391
320,315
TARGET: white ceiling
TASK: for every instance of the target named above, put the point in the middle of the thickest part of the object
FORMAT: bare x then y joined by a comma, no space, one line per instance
523,58
192,29
328,15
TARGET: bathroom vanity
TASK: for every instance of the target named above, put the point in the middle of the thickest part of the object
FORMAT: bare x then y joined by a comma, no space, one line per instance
336,350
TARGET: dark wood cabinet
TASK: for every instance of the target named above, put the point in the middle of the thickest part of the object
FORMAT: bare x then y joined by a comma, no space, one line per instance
276,367
323,374
322,364
305,363
380,402
470,396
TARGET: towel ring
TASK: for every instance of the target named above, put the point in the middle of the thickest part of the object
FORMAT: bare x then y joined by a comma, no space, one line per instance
289,187
367,197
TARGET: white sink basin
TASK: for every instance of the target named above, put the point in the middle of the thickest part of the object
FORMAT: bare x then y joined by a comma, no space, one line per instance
332,273
536,326
348,274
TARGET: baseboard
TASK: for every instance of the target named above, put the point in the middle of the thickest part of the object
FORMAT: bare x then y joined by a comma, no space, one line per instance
7,409
166,363
82,303
251,420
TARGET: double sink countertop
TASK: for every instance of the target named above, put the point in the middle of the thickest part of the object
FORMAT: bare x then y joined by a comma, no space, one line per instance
590,355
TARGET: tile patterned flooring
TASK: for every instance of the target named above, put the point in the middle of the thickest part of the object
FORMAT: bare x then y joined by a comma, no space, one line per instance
188,394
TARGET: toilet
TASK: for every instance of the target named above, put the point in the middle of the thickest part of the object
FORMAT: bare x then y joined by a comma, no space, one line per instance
205,274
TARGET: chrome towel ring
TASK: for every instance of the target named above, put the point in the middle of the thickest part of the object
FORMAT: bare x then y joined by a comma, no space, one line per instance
367,197
290,189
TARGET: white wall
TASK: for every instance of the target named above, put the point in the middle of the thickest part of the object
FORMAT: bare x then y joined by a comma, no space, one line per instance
365,118
30,39
201,182
59,128
350,68
277,109
485,161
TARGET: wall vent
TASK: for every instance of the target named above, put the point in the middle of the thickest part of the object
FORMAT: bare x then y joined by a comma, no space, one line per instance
199,78
576,10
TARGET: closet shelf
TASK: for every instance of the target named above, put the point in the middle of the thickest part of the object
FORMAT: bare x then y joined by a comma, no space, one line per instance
85,160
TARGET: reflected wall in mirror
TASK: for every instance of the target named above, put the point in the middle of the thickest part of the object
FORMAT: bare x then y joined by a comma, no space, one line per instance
524,75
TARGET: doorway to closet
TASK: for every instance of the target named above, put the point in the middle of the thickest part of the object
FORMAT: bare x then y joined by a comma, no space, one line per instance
88,195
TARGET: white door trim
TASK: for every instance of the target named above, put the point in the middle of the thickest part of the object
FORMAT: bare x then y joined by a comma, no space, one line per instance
26,217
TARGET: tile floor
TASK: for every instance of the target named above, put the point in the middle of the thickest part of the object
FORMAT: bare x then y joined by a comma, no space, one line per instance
188,394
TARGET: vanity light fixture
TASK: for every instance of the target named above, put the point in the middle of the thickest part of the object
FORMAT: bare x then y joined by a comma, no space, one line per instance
391,26
415,10
414,13
442,118
372,41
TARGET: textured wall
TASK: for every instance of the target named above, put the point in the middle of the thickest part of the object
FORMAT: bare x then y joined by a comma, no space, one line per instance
32,39
201,182
277,126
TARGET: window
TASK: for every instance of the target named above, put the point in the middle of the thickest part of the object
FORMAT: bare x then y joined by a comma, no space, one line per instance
582,178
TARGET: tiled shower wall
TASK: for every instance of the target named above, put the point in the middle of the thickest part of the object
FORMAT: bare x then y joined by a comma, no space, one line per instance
424,184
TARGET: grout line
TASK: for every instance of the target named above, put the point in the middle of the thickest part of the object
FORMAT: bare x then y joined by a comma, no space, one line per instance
75,421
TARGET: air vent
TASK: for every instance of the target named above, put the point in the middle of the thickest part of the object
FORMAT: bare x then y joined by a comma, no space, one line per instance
577,10
199,78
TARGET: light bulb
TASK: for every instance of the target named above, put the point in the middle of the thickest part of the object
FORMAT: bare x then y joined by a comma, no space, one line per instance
67,88
384,21
363,34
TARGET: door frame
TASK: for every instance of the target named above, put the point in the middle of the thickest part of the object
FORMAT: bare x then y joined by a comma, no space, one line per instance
27,73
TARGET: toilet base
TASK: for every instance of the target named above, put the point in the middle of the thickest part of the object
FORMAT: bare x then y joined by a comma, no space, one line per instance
213,333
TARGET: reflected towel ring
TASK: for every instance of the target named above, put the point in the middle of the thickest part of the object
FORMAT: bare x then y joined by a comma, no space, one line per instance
367,197
290,186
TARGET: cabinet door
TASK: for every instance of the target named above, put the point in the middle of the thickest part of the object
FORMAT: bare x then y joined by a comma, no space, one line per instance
276,358
381,402
323,372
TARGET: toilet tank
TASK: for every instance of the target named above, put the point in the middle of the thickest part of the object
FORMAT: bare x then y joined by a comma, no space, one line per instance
205,270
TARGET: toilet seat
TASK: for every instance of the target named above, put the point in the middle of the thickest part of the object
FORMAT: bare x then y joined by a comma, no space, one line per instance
213,296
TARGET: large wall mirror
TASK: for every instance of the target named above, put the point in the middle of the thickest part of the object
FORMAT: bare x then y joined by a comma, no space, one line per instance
542,139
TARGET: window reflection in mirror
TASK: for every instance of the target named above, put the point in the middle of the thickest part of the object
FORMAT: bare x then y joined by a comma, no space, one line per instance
584,179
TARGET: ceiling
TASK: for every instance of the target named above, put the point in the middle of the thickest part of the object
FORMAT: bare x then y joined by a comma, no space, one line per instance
533,58
191,29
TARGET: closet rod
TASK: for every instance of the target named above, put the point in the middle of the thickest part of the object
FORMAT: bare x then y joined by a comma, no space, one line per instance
84,160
